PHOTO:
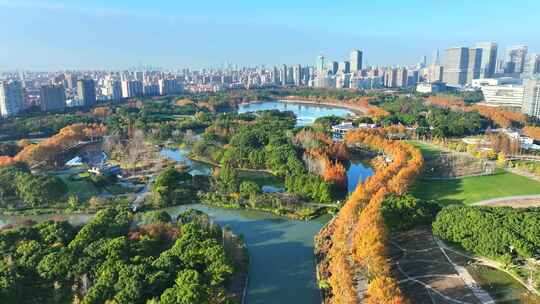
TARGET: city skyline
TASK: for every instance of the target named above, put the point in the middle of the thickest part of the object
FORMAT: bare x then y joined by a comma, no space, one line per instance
59,35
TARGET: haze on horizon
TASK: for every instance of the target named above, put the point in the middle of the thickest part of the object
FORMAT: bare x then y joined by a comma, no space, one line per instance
75,34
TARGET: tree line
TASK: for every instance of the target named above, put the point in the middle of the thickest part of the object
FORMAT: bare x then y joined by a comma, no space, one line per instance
357,237
111,259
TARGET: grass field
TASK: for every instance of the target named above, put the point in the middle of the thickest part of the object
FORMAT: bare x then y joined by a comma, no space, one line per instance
474,189
427,150
469,190
83,188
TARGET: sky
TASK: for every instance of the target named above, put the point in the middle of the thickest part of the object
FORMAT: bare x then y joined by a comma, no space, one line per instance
119,34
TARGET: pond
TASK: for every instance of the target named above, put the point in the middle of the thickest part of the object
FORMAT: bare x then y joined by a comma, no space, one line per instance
282,268
306,114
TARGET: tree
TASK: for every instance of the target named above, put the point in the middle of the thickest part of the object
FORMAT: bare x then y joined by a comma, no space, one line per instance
406,212
227,179
249,189
188,290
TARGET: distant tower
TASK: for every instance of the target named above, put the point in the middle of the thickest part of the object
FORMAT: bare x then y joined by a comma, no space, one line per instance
320,65
11,98
86,91
456,62
356,61
515,59
436,58
489,59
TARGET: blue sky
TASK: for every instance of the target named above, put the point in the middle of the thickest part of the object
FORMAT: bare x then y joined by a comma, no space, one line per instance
74,34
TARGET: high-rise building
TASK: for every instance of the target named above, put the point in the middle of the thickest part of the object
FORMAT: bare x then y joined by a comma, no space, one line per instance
132,88
435,73
516,56
531,98
345,67
402,77
115,90
11,98
284,75
86,92
474,64
489,59
297,75
412,78
321,65
52,97
356,61
71,81
455,66
151,89
334,67
169,87
275,76
390,78
532,66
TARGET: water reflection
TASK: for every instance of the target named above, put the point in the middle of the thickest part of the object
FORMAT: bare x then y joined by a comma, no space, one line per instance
306,114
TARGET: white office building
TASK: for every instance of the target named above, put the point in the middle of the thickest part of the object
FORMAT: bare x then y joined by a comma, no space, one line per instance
531,98
11,98
508,96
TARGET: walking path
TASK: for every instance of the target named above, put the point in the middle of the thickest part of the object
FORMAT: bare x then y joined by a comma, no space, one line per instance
511,201
480,293
490,263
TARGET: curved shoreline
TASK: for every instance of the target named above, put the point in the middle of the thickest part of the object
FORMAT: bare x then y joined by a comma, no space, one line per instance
357,110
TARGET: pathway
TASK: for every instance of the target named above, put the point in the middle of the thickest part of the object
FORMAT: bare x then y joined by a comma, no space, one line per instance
509,200
480,293
490,263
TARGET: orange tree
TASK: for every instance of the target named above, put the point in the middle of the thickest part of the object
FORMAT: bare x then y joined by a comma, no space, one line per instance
359,239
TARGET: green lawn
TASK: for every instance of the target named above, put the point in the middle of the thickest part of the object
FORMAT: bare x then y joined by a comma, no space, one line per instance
427,150
474,189
84,189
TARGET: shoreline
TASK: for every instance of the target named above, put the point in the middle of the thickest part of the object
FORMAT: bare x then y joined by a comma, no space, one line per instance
357,110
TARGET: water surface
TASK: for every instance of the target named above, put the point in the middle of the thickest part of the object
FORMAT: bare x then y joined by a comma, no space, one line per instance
306,114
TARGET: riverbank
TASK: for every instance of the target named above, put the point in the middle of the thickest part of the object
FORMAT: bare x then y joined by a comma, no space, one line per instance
357,109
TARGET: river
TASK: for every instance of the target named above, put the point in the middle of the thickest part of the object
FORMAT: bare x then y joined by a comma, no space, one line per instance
282,267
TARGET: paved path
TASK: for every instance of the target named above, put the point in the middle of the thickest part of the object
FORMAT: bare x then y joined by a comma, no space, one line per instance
477,290
502,201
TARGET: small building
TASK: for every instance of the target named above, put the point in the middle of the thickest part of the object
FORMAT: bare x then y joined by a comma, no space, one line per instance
105,170
340,130
431,87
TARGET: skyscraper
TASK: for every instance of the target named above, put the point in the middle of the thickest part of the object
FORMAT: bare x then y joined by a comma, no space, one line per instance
435,73
86,92
11,98
297,75
321,66
345,67
474,64
356,61
334,67
390,78
532,66
53,97
516,57
402,77
489,59
284,75
531,98
455,66
132,88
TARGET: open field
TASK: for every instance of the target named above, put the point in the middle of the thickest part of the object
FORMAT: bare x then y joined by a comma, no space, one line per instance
469,190
82,188
428,151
